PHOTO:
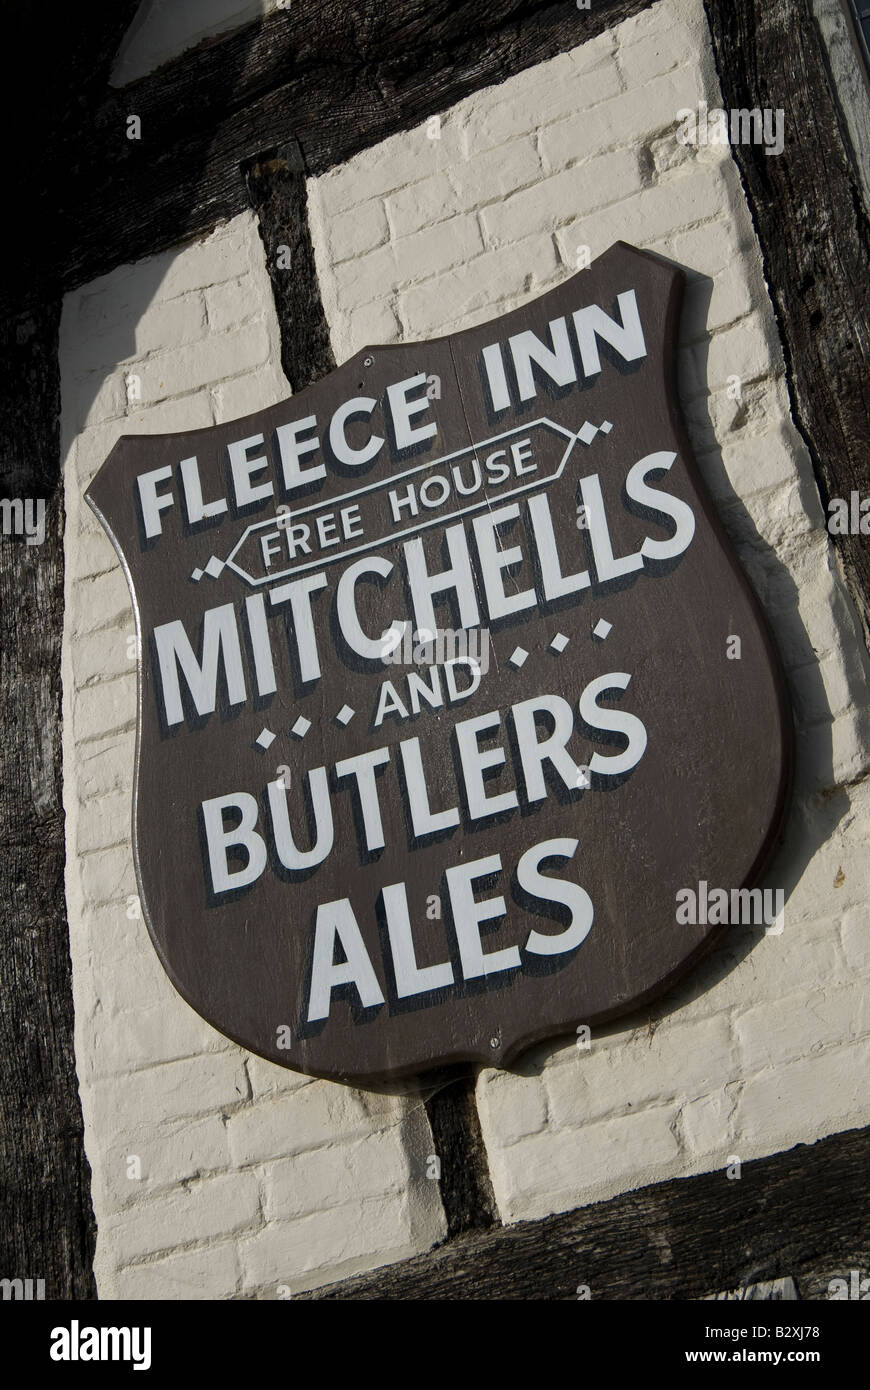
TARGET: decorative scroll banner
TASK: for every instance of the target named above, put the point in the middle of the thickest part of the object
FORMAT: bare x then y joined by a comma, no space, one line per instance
436,710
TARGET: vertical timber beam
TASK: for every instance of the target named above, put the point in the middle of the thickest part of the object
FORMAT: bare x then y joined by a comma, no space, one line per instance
811,221
276,188
47,1228
466,1189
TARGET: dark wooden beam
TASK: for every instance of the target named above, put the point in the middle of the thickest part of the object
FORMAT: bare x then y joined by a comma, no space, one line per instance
46,1221
57,69
457,1142
812,224
802,1213
276,188
335,77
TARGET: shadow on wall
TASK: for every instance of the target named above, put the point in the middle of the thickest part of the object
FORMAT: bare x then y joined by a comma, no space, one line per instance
109,336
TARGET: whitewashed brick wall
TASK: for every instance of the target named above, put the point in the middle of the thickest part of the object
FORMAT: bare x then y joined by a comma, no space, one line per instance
252,1177
767,1044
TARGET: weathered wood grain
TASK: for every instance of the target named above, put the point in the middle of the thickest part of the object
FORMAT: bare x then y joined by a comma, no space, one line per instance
276,187
57,71
812,224
46,1223
465,1186
334,77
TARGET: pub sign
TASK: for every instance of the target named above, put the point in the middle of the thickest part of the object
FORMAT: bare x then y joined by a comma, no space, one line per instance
436,711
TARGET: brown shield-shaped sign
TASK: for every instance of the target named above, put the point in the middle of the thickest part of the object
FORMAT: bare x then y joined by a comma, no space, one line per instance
451,691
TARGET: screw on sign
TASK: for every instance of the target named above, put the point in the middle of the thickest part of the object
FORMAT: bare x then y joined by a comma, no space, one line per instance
552,803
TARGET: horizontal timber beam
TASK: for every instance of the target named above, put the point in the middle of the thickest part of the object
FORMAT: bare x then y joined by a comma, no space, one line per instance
333,77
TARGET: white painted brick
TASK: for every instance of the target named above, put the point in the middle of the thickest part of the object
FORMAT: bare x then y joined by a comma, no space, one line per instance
856,938
400,160
317,1114
666,154
159,1033
374,1166
197,1213
103,601
422,204
740,351
328,1245
242,395
170,1152
223,255
174,1090
95,397
555,1171
106,707
267,1079
93,554
106,764
622,121
131,978
100,655
178,371
710,306
650,219
707,1124
112,340
439,248
642,56
167,416
562,91
495,174
107,875
359,230
804,951
601,181
816,699
371,277
713,246
784,1030
653,1065
815,1096
372,325
194,1275
107,824
121,942
850,750
515,1106
468,291
228,305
